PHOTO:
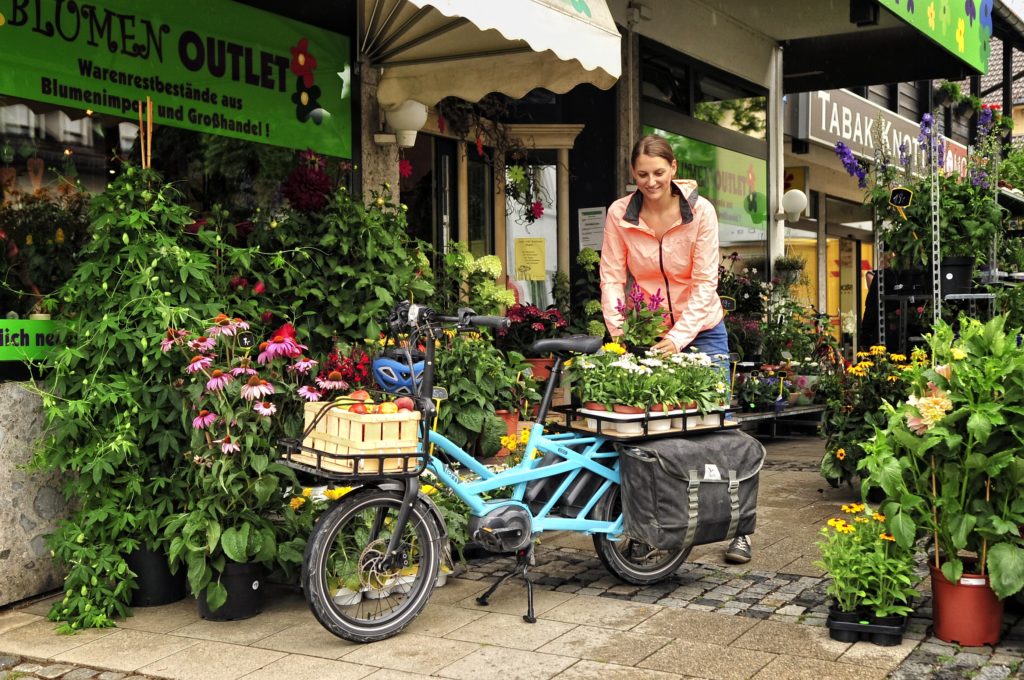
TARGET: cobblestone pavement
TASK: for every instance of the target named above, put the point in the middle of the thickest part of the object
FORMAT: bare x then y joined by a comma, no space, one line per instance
780,585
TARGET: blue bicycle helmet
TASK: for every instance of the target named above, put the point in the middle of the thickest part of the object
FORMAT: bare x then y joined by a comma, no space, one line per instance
395,377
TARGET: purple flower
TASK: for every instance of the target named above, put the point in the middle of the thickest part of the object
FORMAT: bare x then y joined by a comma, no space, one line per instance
970,10
904,156
620,307
228,446
852,165
199,363
655,302
636,296
302,365
309,393
218,380
264,408
202,344
256,388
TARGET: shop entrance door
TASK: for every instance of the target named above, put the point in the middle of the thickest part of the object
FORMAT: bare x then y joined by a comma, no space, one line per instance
849,261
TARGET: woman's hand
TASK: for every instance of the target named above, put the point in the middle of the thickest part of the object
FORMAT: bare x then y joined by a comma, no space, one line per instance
665,346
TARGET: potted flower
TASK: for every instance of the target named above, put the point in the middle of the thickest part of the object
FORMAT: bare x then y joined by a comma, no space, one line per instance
643,319
948,462
236,392
514,389
789,268
527,324
871,578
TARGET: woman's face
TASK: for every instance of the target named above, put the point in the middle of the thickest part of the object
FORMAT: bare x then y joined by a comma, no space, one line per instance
653,175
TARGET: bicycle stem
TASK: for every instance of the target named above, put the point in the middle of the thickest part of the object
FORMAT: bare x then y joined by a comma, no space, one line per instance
549,388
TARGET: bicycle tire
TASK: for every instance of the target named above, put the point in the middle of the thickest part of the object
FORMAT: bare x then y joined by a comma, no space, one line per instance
632,561
383,607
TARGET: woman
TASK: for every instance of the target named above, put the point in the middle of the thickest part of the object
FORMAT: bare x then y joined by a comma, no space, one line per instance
665,236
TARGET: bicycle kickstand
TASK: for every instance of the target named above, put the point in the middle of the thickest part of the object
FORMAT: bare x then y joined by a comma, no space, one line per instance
524,558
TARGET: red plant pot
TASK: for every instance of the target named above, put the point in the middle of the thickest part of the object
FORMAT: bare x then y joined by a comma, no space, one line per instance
622,408
967,612
593,406
541,367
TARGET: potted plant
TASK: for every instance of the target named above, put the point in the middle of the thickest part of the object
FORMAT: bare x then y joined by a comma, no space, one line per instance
947,94
527,324
112,414
514,389
871,578
789,268
236,390
948,463
643,320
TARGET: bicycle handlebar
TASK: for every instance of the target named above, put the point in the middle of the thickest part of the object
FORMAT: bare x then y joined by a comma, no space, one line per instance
478,320
406,315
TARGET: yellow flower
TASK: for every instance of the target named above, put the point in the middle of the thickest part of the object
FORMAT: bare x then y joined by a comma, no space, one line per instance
931,16
961,27
877,350
428,489
840,454
853,508
568,363
899,358
297,502
306,492
846,529
884,536
337,492
861,519
613,348
892,378
846,508
958,354
836,522
877,516
918,356
862,355
866,364
59,236
28,240
510,442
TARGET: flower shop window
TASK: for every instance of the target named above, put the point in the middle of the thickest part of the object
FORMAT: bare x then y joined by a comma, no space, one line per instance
480,195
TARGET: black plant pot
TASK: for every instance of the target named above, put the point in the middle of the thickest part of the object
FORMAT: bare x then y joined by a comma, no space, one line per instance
887,630
244,583
956,273
156,584
840,632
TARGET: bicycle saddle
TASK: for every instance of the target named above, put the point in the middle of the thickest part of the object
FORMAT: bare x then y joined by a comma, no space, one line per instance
572,344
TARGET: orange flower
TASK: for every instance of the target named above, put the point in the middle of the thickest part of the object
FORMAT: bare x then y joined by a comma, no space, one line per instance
887,537
840,454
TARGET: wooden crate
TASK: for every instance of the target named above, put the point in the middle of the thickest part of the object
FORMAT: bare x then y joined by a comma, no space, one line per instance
343,433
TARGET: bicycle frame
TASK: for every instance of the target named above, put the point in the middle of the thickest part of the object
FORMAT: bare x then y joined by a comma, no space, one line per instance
577,454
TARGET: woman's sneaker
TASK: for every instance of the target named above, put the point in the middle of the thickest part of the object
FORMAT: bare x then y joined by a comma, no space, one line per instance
739,551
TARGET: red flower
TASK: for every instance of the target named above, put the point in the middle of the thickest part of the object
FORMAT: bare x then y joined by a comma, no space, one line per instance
267,316
239,282
286,330
442,124
537,209
479,145
259,288
405,168
303,62
196,226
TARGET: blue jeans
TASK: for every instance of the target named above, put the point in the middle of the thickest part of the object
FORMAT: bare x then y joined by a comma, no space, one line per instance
714,341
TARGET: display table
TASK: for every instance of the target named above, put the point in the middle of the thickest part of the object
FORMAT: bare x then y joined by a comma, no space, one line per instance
793,415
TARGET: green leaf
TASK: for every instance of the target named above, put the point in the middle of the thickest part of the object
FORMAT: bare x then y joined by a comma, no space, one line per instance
903,528
216,595
980,427
235,543
1006,569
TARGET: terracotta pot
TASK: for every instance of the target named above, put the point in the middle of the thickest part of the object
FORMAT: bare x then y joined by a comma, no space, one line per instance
511,419
541,367
622,408
967,613
593,406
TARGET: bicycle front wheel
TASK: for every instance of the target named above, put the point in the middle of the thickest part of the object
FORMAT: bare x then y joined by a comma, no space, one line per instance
631,560
354,589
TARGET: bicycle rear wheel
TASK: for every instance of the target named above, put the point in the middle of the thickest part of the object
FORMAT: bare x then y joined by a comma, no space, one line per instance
632,561
351,588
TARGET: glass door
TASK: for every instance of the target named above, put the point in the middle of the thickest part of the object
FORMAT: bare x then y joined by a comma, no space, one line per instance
531,228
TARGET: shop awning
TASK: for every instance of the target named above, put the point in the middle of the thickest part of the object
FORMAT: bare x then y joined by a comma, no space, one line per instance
511,47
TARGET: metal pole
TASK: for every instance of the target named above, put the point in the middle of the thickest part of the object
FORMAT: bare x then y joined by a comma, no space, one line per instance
936,277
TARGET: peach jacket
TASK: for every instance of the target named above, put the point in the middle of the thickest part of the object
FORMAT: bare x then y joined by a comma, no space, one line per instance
683,265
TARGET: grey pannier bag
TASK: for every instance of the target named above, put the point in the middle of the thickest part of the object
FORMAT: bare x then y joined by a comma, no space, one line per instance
686,491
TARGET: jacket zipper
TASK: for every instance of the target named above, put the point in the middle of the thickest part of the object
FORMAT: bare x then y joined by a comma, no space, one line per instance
661,266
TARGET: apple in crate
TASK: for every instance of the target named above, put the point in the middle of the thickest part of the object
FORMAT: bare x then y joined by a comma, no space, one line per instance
387,407
358,408
405,404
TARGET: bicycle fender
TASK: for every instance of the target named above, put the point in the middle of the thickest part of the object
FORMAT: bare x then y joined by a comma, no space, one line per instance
395,485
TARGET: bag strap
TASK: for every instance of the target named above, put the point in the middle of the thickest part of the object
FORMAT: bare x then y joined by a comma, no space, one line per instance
734,505
693,509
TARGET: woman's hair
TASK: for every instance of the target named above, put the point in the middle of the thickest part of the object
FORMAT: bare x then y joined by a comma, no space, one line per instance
652,145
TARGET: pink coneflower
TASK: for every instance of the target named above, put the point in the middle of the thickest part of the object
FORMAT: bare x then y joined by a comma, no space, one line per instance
302,365
309,393
218,380
240,325
202,344
243,368
228,446
264,408
255,388
204,419
333,381
171,339
221,325
280,346
199,363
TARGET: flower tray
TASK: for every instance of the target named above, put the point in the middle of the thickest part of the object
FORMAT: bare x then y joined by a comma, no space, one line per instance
855,631
651,425
340,442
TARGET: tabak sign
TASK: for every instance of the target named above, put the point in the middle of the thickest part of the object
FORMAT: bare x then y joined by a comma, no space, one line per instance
840,116
216,67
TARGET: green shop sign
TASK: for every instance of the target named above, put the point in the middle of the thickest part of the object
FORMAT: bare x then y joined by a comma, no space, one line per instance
735,183
215,66
963,27
22,340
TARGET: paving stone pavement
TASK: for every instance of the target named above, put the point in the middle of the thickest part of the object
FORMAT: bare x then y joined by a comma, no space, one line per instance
762,620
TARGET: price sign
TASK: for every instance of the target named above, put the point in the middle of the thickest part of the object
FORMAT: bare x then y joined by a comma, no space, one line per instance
900,198
246,340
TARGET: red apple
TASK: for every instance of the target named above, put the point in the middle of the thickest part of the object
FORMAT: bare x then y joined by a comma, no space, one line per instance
358,408
405,404
361,395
